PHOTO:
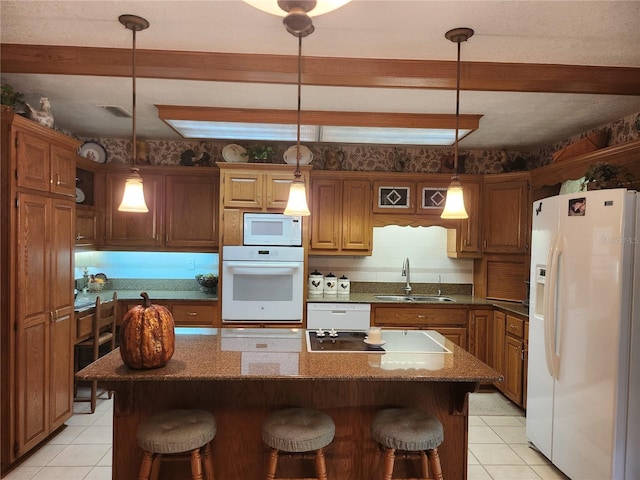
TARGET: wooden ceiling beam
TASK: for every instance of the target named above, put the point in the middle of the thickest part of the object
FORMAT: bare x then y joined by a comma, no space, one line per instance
321,71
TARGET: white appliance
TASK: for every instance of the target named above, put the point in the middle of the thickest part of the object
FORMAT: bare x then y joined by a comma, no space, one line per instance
262,284
338,316
272,229
583,391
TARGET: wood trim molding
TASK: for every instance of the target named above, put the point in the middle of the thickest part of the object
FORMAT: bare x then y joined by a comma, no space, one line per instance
321,71
627,154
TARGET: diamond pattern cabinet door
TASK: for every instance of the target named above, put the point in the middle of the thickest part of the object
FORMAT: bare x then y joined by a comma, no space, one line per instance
432,195
394,197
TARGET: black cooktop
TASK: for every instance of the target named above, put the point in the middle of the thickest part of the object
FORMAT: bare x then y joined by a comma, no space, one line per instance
340,342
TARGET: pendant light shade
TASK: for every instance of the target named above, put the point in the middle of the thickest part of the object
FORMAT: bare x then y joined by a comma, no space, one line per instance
297,202
133,198
454,208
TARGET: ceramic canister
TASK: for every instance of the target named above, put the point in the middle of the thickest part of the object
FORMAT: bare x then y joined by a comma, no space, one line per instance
330,284
316,283
344,286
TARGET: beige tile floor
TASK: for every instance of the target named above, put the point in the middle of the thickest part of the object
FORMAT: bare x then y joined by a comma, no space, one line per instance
498,450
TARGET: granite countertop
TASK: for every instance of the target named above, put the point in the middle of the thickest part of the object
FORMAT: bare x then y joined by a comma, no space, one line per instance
85,301
275,353
463,300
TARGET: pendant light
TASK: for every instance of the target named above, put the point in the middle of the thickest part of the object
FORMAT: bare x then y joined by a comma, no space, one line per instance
298,24
454,204
133,198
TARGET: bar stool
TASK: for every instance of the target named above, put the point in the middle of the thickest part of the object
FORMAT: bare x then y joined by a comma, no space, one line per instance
298,431
177,432
414,432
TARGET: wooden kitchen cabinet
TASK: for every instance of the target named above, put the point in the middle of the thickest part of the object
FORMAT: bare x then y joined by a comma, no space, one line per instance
480,339
38,212
185,313
498,334
465,241
253,187
341,217
43,165
183,210
134,230
394,196
515,359
450,322
86,226
506,213
192,211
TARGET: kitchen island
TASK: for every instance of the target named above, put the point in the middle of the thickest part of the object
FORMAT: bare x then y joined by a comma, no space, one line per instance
241,375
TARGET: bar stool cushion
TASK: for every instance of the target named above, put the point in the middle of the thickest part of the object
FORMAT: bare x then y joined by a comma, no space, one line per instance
406,429
298,430
176,431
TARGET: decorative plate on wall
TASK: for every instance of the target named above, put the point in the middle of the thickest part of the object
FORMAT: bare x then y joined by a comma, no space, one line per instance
305,155
234,153
93,151
79,195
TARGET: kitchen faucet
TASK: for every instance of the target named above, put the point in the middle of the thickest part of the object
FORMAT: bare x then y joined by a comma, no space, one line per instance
439,285
406,273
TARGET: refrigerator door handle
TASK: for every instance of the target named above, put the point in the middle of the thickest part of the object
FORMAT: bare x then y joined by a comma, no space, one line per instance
549,307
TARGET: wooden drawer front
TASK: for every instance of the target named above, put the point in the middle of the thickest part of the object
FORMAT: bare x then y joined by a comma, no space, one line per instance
420,316
193,314
515,326
84,326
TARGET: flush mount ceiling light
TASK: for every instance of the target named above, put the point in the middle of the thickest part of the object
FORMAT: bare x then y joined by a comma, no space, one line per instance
454,204
210,123
133,198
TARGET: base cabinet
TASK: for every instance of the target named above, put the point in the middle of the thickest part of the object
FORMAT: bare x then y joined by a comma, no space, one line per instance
514,358
185,313
450,322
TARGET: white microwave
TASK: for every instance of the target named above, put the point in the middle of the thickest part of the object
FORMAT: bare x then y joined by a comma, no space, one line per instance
272,229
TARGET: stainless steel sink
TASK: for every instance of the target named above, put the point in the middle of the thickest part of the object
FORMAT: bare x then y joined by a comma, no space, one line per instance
415,298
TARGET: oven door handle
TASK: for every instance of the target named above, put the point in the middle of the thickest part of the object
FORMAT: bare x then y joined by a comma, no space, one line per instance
258,268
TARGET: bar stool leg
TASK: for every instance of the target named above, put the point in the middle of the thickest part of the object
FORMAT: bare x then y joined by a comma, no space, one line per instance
272,465
321,468
208,461
424,465
434,464
196,464
145,466
389,459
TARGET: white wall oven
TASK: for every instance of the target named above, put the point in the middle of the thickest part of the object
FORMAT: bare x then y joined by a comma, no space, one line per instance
262,284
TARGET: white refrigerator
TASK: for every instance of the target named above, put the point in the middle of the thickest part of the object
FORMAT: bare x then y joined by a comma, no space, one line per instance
583,391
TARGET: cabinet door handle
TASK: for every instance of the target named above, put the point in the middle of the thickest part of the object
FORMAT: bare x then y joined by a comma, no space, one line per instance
192,314
422,316
58,182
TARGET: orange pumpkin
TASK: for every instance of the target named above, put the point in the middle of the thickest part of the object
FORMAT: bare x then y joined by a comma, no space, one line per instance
147,336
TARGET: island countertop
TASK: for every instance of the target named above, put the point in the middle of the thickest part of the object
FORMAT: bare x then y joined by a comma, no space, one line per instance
275,353
241,375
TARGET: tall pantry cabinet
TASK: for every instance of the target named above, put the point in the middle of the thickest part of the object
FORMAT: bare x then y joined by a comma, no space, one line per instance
37,190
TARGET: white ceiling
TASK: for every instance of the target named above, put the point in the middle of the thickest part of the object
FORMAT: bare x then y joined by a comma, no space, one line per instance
597,33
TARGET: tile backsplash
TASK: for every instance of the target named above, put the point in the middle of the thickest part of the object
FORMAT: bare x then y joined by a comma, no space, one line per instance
425,247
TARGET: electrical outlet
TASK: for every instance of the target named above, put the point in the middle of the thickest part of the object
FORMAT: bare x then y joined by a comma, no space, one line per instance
191,264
